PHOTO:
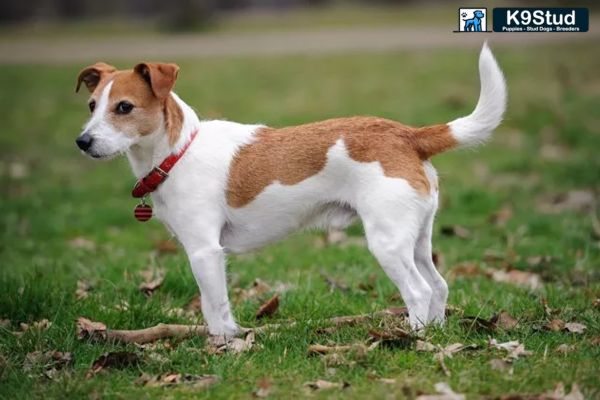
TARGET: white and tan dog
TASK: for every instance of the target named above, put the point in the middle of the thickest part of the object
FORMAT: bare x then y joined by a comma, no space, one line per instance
239,187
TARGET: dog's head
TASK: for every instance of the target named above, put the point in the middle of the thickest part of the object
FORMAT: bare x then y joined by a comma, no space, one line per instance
478,14
127,106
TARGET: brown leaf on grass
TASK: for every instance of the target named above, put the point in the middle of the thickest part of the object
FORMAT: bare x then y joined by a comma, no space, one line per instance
565,349
194,305
264,388
559,393
36,326
583,200
392,337
555,325
153,279
502,216
477,323
595,341
83,289
536,261
166,246
321,384
82,243
505,321
455,230
444,392
220,345
269,308
47,360
87,329
596,303
5,323
425,346
513,348
116,360
524,279
173,379
454,348
257,289
465,269
575,327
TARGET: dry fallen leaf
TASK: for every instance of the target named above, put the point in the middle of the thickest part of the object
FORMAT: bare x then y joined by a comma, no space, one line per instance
321,384
269,308
258,288
559,393
87,329
555,325
576,200
264,388
505,321
153,279
465,269
444,393
172,379
575,327
425,346
166,246
565,348
514,348
455,230
220,345
36,326
117,359
83,289
524,279
477,323
502,216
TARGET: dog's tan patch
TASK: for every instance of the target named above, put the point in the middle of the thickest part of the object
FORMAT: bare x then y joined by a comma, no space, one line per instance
145,117
292,154
147,87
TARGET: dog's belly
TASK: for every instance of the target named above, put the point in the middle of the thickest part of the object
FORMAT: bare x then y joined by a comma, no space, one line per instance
256,230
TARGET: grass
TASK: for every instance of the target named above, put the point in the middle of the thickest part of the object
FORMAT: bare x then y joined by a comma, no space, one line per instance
61,196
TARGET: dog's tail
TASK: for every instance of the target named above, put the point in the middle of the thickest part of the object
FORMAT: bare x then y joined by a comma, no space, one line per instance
477,127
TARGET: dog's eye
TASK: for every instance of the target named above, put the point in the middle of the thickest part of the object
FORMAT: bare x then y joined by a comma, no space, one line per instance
92,105
124,107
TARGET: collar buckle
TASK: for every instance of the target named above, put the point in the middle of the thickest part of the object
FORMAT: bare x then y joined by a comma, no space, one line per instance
161,172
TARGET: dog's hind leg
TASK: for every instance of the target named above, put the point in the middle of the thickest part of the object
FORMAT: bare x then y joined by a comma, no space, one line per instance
425,265
392,216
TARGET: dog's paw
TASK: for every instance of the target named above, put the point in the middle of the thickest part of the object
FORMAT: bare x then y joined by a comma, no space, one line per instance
225,331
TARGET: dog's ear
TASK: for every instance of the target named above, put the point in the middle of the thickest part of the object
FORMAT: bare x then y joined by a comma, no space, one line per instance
93,74
161,77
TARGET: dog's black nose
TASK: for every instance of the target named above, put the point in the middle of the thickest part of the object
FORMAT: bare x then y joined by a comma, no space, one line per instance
84,141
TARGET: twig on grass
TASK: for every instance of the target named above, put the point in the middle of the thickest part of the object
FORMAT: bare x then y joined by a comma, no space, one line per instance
98,331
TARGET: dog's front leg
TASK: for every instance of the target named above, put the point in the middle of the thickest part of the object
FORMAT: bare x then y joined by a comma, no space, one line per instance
208,266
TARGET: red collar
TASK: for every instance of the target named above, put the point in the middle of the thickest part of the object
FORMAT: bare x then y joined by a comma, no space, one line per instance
158,175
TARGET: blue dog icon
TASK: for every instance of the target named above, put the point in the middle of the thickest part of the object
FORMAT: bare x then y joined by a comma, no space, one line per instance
474,24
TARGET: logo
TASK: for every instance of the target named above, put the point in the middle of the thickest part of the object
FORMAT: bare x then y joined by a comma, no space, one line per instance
541,19
472,20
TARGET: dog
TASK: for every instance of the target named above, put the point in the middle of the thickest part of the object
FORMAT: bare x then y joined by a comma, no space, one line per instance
223,187
474,24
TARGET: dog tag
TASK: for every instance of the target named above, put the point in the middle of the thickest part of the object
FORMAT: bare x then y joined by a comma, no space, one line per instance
143,211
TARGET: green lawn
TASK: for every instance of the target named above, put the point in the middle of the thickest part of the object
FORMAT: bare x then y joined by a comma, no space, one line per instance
548,145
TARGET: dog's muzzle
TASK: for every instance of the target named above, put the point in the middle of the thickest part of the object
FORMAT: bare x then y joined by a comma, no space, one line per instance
84,141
